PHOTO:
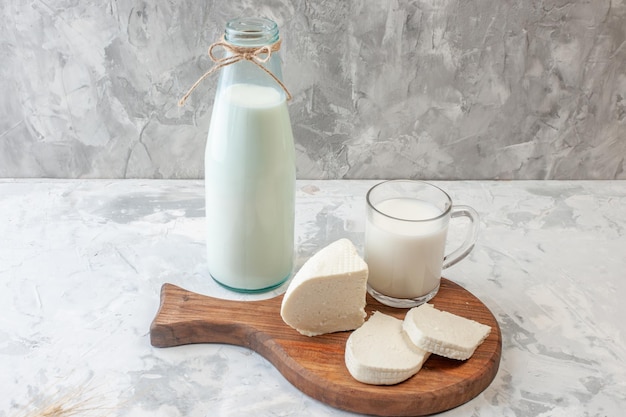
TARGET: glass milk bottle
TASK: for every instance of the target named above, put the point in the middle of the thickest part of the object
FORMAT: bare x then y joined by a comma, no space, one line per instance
250,167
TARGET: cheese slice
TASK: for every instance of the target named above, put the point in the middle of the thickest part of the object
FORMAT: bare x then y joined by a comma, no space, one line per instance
444,333
380,353
328,293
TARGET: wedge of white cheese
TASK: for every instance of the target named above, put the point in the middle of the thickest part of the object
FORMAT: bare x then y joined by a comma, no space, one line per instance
444,333
328,293
380,353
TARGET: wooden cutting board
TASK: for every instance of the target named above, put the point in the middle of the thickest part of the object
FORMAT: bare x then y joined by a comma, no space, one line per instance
315,365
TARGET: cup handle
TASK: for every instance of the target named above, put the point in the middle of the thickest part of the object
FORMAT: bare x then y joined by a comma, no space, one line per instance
470,239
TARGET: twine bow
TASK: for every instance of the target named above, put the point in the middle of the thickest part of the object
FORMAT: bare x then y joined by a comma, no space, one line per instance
257,56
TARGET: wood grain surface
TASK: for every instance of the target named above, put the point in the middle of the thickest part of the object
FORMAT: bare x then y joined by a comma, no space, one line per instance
315,365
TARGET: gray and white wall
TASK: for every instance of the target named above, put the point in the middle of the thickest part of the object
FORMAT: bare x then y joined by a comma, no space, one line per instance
429,89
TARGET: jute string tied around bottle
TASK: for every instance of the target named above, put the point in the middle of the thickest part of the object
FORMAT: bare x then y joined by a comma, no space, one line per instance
257,56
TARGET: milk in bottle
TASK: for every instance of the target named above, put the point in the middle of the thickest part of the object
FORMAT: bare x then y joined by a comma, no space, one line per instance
250,170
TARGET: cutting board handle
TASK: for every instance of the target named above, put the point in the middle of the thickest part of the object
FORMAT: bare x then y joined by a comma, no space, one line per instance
185,317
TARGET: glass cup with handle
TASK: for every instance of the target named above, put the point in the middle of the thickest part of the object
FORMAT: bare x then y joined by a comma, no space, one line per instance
405,240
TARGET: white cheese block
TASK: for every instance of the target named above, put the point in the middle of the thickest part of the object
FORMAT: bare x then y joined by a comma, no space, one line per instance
328,293
444,333
380,353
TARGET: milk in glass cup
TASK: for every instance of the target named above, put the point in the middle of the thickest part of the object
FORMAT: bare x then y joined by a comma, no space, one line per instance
405,239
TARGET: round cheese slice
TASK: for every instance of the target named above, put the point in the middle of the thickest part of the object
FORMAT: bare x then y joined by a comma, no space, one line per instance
442,333
379,352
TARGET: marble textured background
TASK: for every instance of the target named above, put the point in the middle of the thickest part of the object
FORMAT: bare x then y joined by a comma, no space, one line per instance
445,89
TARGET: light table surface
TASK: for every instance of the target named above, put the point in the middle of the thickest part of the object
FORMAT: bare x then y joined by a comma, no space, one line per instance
82,263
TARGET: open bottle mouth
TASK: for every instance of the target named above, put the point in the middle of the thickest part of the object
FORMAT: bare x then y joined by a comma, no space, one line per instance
251,31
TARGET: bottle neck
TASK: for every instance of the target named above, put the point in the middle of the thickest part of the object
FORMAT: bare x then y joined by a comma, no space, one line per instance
251,31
